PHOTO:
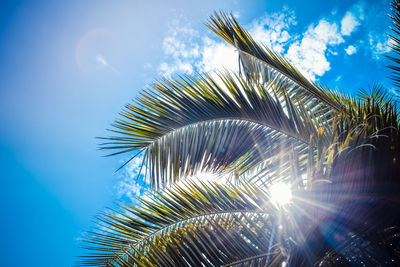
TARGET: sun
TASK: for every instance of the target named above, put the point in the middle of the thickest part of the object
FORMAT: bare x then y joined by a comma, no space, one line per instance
281,193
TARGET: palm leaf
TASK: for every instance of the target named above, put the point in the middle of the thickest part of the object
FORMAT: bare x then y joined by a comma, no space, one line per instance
190,224
198,123
261,64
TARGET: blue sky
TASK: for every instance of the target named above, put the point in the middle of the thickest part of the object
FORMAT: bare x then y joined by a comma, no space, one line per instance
67,68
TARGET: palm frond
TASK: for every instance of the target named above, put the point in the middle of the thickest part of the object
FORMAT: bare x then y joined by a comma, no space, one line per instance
190,224
199,123
260,63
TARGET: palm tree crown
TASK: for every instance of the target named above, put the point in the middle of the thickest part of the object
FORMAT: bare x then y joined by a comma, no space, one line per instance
338,155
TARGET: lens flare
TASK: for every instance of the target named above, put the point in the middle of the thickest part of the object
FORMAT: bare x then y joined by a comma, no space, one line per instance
281,193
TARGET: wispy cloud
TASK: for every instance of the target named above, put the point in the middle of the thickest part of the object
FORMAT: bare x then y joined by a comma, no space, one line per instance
128,186
217,56
180,47
348,24
272,30
352,19
350,50
379,44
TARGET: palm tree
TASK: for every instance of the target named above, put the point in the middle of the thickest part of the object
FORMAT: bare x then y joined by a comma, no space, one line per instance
268,125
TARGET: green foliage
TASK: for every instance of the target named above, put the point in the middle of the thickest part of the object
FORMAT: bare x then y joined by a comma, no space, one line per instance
226,223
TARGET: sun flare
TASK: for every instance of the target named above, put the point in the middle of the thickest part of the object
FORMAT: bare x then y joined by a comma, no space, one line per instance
281,193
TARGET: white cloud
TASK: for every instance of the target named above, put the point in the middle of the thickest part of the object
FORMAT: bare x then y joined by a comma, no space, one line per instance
335,53
188,53
172,45
352,19
309,54
350,50
272,30
217,56
379,44
349,23
128,186
181,47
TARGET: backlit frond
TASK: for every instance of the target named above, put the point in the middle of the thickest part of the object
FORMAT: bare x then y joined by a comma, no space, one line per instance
191,224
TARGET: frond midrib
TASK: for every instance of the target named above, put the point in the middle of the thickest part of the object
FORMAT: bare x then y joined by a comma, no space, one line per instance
297,137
